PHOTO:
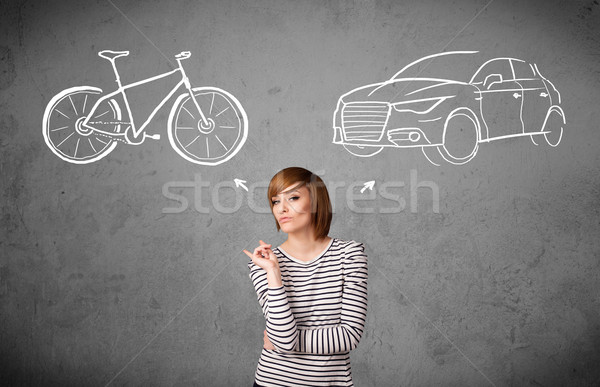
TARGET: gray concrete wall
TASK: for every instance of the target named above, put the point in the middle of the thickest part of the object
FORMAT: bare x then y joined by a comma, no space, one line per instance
100,285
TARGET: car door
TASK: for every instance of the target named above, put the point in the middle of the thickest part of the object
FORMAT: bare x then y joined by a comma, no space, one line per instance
501,99
536,98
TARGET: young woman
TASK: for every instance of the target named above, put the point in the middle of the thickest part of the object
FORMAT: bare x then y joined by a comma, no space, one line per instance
312,289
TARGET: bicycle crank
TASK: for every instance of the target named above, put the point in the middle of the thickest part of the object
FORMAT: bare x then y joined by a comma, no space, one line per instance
140,138
133,140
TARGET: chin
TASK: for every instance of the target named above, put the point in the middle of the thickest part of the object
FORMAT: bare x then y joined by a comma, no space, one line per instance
287,228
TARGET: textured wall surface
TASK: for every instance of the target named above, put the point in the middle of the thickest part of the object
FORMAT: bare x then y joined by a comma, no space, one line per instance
99,284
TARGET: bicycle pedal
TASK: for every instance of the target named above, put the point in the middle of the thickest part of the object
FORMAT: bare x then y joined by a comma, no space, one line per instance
153,136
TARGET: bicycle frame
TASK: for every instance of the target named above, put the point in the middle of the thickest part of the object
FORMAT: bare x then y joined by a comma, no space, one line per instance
121,90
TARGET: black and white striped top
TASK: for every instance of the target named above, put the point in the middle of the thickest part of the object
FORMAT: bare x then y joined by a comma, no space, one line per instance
315,318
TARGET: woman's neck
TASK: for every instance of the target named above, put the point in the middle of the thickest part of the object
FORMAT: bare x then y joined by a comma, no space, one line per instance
306,244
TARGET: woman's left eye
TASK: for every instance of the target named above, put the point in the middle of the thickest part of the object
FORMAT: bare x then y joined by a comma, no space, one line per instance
295,197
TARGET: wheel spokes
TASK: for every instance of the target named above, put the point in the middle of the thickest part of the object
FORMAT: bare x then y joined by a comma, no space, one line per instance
69,136
67,117
222,111
92,145
72,104
84,103
191,142
63,122
223,116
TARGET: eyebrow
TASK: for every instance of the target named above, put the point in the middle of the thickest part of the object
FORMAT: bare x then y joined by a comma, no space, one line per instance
290,191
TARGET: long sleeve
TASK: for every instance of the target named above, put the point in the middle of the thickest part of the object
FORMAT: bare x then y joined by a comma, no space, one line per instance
346,335
281,325
315,318
258,276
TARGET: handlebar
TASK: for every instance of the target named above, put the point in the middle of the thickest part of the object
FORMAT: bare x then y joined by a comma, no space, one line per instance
183,55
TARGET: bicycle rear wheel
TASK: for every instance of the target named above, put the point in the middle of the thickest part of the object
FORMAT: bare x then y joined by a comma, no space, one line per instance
210,144
64,133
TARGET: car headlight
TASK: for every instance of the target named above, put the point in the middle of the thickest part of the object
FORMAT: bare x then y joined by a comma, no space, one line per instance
419,106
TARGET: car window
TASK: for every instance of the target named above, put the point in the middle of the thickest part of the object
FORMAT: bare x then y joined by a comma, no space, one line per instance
522,69
457,66
499,66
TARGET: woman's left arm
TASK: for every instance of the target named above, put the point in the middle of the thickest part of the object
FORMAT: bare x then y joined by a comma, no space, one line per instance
345,336
283,333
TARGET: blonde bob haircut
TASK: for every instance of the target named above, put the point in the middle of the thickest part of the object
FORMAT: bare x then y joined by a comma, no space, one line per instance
319,197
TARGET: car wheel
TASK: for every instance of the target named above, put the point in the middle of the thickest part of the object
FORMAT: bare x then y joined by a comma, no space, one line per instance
363,151
553,128
461,137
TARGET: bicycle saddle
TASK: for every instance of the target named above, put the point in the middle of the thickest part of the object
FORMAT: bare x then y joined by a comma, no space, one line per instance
112,55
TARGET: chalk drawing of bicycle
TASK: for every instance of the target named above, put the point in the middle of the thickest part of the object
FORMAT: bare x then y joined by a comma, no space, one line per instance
206,125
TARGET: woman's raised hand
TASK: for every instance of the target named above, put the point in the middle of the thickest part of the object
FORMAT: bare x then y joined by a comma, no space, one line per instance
264,257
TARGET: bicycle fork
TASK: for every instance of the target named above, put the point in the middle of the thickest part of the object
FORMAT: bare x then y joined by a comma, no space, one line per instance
205,124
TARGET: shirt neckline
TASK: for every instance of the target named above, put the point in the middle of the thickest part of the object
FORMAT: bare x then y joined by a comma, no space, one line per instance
312,260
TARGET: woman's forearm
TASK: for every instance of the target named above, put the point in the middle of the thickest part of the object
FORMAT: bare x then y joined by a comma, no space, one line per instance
274,278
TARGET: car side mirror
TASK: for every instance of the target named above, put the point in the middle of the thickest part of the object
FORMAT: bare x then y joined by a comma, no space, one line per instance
491,79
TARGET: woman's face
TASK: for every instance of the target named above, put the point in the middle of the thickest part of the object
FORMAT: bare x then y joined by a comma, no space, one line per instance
292,209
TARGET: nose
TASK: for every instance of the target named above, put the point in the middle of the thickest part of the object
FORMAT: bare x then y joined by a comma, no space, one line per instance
283,207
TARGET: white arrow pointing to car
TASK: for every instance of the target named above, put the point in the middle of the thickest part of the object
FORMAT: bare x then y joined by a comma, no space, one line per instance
369,185
240,183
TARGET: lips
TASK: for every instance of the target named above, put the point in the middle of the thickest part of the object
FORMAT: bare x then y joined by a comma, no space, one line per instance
283,220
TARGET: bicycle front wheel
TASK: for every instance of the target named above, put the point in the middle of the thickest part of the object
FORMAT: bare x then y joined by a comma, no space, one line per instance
209,143
65,135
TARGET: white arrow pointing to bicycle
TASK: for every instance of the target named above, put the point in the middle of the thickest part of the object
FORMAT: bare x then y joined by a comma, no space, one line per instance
240,183
369,185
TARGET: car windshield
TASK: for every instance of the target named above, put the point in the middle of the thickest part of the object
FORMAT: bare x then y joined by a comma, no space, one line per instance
456,66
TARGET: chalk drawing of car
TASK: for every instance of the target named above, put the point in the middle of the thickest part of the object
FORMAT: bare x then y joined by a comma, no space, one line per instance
449,103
